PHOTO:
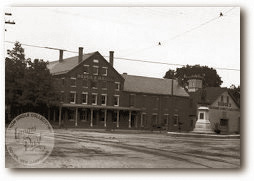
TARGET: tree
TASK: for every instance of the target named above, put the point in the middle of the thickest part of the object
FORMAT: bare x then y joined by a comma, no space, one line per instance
29,84
210,76
39,93
15,66
235,92
169,74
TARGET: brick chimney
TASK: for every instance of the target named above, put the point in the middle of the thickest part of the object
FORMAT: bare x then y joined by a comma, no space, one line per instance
60,55
80,54
111,57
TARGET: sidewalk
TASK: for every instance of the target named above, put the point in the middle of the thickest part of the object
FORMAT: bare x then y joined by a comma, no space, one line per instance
173,134
203,135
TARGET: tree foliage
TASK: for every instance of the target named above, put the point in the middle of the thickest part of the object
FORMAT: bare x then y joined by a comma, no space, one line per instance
210,76
28,84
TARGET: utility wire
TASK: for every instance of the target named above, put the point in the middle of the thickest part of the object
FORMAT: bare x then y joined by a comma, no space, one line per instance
121,58
165,63
185,32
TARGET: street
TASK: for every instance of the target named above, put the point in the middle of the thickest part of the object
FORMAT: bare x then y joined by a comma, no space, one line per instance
101,149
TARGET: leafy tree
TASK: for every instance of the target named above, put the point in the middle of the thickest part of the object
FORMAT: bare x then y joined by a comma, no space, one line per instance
170,74
210,76
15,66
29,84
235,92
39,92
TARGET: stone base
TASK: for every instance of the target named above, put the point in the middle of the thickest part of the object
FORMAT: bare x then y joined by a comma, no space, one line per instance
203,126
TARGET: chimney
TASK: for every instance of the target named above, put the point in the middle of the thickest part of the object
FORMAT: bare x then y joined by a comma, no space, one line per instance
80,54
60,55
111,57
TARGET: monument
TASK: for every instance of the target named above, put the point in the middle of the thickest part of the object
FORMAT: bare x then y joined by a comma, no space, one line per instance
203,124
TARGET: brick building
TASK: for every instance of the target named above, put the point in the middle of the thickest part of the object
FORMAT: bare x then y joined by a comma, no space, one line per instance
95,95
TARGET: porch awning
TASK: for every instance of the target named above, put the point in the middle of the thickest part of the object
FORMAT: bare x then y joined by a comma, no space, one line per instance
100,107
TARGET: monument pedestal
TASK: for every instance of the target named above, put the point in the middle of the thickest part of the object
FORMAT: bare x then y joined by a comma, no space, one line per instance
203,126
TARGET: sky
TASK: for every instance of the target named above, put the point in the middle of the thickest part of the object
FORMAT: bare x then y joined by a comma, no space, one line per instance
188,35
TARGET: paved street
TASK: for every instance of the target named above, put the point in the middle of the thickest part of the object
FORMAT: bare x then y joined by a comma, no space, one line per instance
91,149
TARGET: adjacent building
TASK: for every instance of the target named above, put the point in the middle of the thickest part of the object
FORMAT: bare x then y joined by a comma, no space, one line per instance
222,109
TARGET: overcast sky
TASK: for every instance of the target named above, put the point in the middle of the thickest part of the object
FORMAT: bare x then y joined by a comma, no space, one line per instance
188,35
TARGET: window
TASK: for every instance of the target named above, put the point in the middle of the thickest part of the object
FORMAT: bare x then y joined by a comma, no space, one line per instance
84,97
132,99
175,119
104,85
72,97
116,100
154,119
71,115
62,96
221,98
83,115
102,115
165,119
63,81
86,69
95,70
224,122
95,61
104,99
94,84
104,71
117,85
144,120
73,82
94,98
201,115
85,83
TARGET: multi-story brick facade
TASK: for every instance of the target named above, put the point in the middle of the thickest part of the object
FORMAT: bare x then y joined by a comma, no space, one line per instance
95,95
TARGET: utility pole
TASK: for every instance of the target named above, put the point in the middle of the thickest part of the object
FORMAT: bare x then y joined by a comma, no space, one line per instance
8,21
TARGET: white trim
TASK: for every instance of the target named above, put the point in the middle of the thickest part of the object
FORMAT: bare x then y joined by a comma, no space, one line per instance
74,78
75,96
106,97
118,87
95,61
95,66
87,69
84,93
96,100
106,68
118,100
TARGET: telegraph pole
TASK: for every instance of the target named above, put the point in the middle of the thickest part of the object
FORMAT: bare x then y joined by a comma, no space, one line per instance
8,21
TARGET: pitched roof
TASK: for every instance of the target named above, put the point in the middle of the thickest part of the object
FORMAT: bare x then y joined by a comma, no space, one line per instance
211,94
152,85
66,65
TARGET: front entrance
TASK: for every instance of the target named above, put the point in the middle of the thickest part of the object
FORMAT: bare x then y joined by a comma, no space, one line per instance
224,125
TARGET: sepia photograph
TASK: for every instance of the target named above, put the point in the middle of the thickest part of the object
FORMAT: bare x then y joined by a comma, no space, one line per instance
122,87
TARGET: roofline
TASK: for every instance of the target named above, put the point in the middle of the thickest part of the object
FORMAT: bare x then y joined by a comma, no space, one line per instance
170,95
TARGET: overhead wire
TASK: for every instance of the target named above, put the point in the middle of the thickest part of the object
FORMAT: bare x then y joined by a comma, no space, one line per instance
121,58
